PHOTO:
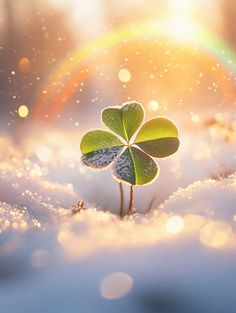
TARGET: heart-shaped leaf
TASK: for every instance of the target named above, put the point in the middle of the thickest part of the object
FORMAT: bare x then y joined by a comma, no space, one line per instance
135,167
124,121
158,137
100,148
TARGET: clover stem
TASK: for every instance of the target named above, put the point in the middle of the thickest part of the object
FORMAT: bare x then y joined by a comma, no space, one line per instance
131,199
121,200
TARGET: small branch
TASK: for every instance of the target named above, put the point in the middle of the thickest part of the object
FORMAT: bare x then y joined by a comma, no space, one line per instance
131,200
121,200
78,208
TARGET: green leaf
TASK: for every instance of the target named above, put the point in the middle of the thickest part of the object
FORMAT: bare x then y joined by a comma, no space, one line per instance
97,140
158,137
100,148
135,167
124,121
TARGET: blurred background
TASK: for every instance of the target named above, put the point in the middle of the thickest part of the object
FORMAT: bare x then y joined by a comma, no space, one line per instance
62,56
63,61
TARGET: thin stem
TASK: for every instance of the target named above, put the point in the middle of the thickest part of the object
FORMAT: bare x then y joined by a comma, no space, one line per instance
131,199
121,200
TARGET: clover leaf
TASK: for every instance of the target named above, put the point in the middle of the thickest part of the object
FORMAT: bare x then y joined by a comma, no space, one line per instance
124,121
133,162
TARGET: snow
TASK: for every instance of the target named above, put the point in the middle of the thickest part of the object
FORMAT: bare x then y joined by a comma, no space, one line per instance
217,199
65,268
68,267
178,257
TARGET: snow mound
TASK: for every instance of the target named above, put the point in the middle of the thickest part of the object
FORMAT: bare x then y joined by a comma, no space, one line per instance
213,199
27,197
165,261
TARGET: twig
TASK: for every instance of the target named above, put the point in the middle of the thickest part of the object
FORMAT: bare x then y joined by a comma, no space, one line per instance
77,208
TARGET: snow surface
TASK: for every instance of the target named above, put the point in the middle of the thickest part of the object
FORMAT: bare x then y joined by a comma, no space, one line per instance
178,257
63,268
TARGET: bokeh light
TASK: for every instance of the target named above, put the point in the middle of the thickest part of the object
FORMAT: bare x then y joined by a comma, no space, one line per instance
116,285
175,224
216,234
153,105
23,111
24,65
124,75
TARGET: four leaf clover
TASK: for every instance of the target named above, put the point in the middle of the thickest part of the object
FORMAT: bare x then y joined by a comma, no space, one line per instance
133,159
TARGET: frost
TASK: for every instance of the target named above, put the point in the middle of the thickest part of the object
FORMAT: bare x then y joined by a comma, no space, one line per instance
124,168
131,105
101,158
16,218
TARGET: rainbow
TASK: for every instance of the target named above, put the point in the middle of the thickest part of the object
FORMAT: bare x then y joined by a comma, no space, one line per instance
64,80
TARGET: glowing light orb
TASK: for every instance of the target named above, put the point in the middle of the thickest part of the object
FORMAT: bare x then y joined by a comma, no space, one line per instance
115,285
124,75
24,65
153,105
44,153
175,224
23,111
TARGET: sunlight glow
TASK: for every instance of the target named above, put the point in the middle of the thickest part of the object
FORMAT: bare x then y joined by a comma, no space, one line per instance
106,231
182,6
181,28
83,13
